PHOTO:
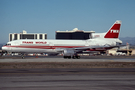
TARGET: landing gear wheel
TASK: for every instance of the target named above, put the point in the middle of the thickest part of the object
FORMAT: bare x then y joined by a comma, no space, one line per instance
69,57
65,57
76,57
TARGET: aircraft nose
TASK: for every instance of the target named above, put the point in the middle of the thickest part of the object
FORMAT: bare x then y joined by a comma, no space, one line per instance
4,48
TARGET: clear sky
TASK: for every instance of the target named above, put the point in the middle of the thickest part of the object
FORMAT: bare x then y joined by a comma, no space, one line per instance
48,16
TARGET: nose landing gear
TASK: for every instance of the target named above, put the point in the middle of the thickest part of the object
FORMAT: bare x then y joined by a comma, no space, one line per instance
22,56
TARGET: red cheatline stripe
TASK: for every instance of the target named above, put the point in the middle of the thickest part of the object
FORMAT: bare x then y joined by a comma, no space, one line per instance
46,47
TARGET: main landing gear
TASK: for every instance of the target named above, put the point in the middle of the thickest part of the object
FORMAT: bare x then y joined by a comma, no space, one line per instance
74,57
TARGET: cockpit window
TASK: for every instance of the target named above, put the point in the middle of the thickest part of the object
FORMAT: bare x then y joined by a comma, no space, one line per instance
8,44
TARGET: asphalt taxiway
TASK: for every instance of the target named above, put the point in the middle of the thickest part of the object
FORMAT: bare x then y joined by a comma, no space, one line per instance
56,73
68,79
61,59
59,62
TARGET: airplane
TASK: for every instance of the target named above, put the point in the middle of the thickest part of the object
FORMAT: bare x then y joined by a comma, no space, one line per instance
69,48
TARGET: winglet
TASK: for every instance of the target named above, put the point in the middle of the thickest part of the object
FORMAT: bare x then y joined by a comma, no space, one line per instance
114,31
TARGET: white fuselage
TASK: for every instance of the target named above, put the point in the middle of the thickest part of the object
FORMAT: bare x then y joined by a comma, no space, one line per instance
54,46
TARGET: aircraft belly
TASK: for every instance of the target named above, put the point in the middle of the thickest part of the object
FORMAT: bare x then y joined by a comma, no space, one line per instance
33,50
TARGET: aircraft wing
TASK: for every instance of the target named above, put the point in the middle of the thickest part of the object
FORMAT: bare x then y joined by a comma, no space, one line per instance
95,47
80,49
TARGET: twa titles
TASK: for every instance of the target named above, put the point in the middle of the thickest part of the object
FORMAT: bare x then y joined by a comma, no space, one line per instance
114,31
36,42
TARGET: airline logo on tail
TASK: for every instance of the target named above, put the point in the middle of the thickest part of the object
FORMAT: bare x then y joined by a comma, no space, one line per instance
113,32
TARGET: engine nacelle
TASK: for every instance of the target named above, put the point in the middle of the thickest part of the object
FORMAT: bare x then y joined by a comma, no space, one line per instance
98,35
68,52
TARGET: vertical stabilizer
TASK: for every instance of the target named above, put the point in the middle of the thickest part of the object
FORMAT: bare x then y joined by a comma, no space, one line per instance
114,31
